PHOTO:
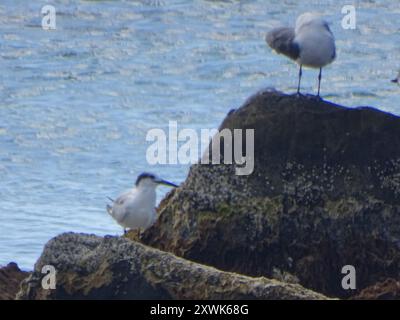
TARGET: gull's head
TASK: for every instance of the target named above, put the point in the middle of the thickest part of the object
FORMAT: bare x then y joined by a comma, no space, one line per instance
310,19
149,180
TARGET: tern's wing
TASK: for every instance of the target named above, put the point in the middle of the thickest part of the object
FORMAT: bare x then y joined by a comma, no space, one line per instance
119,208
282,41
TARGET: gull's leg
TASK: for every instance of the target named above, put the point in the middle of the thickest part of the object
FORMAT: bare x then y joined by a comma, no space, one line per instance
138,233
319,80
125,232
300,74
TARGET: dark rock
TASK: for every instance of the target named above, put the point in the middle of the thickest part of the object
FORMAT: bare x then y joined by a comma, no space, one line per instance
325,192
10,279
91,267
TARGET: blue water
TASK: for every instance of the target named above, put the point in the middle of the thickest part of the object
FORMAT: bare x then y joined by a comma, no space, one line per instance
76,103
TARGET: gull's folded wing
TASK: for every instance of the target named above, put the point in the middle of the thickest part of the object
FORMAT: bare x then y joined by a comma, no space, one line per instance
282,41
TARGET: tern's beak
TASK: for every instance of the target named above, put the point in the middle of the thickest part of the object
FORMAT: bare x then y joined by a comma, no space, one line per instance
395,80
166,183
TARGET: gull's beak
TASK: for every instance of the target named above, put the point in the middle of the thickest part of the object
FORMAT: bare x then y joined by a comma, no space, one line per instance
395,80
166,183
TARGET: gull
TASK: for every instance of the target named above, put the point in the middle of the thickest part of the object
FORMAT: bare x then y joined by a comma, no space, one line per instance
311,43
135,209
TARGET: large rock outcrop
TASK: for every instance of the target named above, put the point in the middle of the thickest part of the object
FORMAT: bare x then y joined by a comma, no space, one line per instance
91,267
325,192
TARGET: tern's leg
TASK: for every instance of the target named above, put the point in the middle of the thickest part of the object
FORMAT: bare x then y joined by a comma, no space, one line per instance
138,233
300,74
125,232
319,80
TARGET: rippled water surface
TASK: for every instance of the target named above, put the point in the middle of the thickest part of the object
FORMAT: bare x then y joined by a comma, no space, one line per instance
76,103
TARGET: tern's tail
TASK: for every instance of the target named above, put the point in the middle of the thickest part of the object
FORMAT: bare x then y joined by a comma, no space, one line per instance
112,200
109,209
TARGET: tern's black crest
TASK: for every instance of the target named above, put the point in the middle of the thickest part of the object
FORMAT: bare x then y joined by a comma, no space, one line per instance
282,41
144,175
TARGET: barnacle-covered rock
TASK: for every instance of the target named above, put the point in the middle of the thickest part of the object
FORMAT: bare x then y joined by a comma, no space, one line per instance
324,193
91,267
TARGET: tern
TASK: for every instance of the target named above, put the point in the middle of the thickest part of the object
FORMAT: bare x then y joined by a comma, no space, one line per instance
311,43
135,209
